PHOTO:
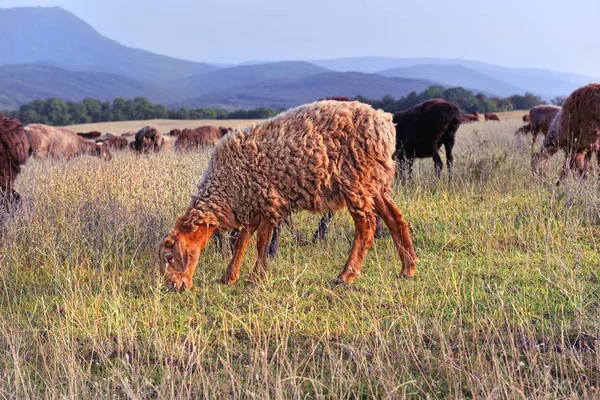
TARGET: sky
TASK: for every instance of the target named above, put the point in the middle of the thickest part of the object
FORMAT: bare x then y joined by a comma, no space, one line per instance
561,36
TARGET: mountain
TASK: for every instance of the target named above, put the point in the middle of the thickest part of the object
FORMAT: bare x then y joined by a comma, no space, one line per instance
241,76
455,75
539,81
20,84
55,37
290,92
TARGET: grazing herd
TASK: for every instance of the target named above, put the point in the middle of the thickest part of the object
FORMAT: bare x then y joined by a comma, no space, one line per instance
324,156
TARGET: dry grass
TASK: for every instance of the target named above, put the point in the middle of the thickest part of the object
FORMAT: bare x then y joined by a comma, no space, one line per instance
504,303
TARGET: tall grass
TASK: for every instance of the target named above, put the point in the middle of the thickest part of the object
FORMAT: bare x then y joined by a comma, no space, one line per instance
504,303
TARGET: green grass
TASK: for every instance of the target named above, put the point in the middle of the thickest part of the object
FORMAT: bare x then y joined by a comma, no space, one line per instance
504,303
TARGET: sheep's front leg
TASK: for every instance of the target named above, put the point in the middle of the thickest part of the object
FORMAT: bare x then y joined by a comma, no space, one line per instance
232,273
263,237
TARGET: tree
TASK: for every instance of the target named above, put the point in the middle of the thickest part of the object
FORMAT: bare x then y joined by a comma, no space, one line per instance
558,100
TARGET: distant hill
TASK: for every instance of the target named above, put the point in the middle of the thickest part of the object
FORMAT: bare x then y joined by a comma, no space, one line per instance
241,76
539,81
290,92
455,75
55,37
21,84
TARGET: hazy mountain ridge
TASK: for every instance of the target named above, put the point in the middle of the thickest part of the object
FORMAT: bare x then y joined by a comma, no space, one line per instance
290,92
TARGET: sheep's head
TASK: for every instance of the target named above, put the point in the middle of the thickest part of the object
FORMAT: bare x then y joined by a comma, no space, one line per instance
179,253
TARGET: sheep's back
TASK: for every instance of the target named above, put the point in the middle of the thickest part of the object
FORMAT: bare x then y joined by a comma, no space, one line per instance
306,158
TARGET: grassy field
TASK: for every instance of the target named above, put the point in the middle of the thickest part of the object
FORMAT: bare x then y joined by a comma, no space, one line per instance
504,303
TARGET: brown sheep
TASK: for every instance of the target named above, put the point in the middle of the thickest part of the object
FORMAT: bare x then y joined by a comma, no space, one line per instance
204,136
62,143
90,135
148,140
14,152
317,157
468,118
575,129
526,118
491,117
476,115
540,118
113,142
128,134
175,132
524,130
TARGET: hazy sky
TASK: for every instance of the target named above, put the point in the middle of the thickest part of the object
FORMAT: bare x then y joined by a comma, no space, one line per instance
557,35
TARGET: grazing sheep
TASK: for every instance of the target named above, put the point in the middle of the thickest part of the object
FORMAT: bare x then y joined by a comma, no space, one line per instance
175,132
524,130
148,139
526,118
575,129
47,141
14,152
421,131
113,142
316,157
468,118
540,118
90,135
204,136
491,117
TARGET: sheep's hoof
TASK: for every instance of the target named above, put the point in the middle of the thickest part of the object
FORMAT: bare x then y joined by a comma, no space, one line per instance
406,276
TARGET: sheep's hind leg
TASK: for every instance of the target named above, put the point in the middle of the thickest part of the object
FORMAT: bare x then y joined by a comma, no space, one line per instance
323,227
399,230
232,273
262,243
364,227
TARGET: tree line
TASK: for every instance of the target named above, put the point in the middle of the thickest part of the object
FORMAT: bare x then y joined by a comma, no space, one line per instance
466,100
58,112
55,111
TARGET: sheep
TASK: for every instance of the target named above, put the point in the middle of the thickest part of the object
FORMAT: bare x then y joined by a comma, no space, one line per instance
491,117
526,118
468,118
204,136
62,143
14,152
175,132
540,118
421,131
128,134
113,142
476,115
90,135
574,129
317,157
148,139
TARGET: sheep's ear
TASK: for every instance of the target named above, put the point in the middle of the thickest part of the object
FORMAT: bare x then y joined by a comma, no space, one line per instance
169,242
181,250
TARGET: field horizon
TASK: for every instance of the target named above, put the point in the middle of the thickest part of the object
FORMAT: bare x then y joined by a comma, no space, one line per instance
504,303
